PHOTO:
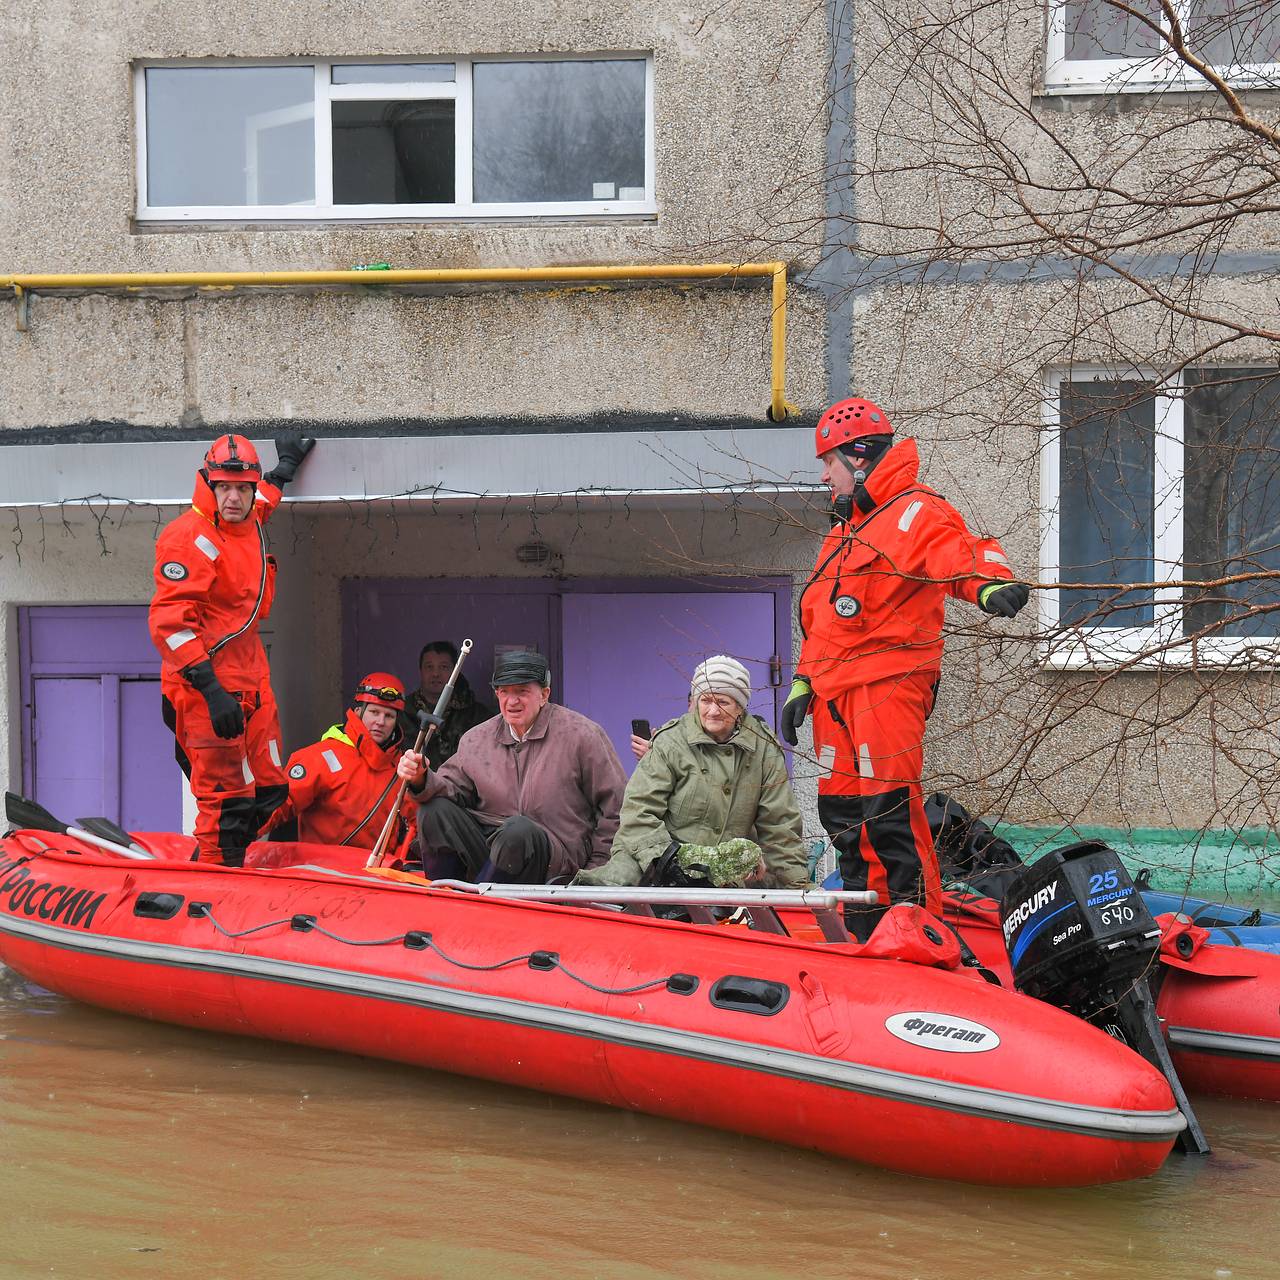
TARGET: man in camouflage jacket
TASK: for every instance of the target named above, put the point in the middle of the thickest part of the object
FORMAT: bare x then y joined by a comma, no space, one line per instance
435,664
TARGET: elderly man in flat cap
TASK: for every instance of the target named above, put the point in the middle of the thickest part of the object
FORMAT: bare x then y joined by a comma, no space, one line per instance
531,795
712,795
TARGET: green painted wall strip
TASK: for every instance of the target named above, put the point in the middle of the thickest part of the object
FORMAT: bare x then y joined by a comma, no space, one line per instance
1239,865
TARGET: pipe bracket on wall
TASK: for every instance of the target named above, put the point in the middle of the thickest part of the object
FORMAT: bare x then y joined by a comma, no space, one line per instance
23,300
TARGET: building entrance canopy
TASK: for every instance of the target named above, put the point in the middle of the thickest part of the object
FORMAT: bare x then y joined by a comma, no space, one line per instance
435,468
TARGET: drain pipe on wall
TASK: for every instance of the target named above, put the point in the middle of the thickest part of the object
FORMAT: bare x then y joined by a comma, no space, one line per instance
830,276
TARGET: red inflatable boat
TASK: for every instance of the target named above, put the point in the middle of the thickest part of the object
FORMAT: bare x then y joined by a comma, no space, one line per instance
1220,1005
885,1054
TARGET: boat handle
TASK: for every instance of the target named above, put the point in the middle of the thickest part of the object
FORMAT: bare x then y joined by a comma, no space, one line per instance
158,906
749,995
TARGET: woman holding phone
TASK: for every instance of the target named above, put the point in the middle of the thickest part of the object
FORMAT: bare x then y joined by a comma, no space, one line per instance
712,791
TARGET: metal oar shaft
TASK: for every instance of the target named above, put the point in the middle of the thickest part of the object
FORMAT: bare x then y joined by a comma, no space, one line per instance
425,735
807,899
112,846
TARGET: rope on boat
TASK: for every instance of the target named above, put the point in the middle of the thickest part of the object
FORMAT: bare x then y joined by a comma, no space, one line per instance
419,941
244,933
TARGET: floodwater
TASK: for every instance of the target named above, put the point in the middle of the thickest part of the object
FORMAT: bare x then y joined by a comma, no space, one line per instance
134,1149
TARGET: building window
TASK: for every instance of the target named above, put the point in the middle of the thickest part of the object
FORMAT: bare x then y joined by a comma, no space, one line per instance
1106,44
1148,482
498,137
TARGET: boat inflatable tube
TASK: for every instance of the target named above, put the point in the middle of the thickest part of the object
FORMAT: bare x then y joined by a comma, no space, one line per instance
910,1066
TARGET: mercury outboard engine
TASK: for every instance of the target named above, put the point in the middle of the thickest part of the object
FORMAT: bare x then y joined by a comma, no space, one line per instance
1080,937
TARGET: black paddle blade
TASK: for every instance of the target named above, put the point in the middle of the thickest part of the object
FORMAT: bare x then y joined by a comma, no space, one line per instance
27,815
108,830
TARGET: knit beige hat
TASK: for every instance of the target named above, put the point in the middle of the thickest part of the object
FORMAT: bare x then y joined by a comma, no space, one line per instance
723,675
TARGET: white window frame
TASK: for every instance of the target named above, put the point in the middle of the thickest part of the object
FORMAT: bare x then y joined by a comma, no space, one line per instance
1136,75
1161,643
326,93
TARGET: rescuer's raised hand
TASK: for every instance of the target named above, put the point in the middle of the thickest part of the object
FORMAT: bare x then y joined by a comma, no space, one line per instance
291,450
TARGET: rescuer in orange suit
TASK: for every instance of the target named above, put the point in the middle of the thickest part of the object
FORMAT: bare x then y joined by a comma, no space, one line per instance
871,617
342,787
214,587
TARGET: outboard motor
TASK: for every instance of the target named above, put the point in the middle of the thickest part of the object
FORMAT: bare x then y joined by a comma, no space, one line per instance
1080,937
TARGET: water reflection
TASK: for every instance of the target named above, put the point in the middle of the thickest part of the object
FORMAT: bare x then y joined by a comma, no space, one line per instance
139,1149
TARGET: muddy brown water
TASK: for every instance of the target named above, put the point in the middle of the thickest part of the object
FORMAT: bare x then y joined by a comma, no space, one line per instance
133,1149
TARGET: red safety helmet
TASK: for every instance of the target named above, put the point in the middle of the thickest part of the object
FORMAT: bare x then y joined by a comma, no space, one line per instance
233,459
380,689
849,420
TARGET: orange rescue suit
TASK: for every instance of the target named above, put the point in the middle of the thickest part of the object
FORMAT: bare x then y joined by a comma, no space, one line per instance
874,605
872,616
214,585
341,788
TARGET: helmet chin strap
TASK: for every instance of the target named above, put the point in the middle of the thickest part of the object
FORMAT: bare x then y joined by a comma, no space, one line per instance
842,504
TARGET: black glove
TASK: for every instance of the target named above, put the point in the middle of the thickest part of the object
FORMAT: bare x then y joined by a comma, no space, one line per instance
290,451
224,708
795,709
1004,599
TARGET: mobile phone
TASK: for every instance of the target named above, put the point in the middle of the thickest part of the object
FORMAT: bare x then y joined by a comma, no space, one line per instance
641,729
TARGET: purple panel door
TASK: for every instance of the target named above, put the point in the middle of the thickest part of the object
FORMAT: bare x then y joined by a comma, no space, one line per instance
390,623
67,756
151,782
94,742
90,639
631,655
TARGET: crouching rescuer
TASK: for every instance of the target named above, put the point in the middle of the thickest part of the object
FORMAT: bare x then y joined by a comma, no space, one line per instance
341,788
870,659
214,585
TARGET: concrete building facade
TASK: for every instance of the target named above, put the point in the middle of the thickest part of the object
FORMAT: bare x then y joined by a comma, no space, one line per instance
595,454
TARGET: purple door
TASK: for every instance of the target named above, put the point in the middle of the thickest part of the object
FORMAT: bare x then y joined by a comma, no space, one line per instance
387,623
619,650
151,784
68,759
94,743
630,656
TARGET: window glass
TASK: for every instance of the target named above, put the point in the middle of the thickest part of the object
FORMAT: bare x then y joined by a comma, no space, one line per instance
1095,29
1231,32
558,131
230,135
1107,501
1232,487
393,73
393,152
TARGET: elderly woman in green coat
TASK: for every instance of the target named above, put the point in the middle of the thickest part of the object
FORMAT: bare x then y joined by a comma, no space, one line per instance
713,790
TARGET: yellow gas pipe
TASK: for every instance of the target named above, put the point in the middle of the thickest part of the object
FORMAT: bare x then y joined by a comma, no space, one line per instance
23,285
